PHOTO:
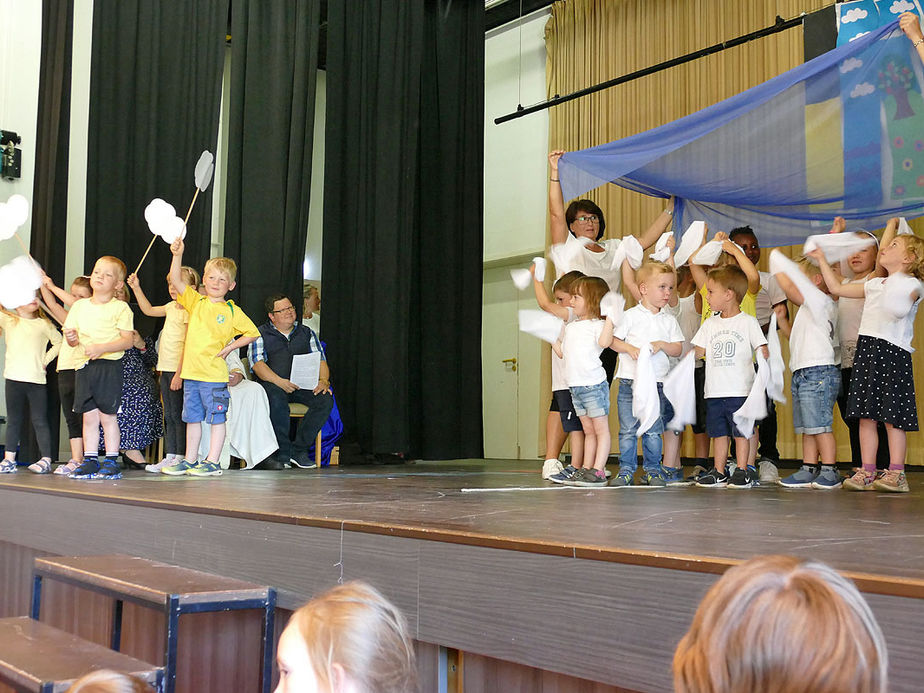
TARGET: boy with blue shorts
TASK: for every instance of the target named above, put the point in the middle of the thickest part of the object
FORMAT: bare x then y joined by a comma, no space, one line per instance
727,341
216,328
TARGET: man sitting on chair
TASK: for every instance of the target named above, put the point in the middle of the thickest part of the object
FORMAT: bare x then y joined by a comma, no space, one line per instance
271,359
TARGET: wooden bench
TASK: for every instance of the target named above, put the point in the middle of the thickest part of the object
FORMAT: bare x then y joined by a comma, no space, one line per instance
36,657
169,588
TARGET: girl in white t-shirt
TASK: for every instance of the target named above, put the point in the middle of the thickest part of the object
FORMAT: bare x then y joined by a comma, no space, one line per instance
562,421
580,345
882,386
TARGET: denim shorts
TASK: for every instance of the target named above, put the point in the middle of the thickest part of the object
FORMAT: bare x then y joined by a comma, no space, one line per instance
719,416
591,400
814,392
205,402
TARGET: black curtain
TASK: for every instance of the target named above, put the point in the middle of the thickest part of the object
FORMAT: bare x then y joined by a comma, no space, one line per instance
274,49
49,186
155,90
402,251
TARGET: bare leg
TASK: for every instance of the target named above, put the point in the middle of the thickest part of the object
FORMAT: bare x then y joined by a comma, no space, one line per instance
555,436
193,436
135,456
216,442
827,447
720,452
753,443
590,444
809,449
897,443
672,440
91,431
869,444
602,430
743,448
77,449
111,434
577,448
701,445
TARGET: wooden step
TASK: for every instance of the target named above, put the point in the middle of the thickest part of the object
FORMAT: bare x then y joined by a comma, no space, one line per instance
37,657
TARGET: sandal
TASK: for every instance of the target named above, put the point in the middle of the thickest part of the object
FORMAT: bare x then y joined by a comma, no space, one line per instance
8,467
43,466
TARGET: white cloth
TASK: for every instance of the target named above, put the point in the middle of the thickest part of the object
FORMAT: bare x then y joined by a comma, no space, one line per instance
755,405
709,253
646,404
635,254
558,363
849,314
574,254
249,434
813,298
540,324
521,278
837,246
775,384
581,349
611,306
878,321
640,327
540,264
903,228
680,392
691,240
729,345
662,252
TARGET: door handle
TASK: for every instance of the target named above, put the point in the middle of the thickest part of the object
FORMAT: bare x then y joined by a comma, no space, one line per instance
512,362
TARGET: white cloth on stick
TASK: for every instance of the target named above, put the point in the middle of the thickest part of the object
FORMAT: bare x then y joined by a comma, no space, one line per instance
540,264
837,246
813,298
521,278
662,252
691,240
20,278
777,367
903,228
540,324
755,405
680,392
646,405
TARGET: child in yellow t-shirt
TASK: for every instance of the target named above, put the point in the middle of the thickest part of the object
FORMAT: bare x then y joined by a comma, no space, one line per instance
103,326
213,323
169,362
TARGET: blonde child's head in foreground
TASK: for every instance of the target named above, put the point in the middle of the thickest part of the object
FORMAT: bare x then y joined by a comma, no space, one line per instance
904,254
218,277
725,287
656,282
108,275
813,272
108,681
586,295
349,640
563,289
776,624
190,278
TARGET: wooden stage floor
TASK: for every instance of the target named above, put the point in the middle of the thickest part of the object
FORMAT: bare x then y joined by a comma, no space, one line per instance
481,566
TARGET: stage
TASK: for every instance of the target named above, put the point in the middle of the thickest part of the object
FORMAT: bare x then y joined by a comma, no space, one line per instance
487,559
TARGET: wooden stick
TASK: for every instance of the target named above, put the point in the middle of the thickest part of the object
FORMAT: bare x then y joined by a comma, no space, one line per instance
191,205
23,245
151,244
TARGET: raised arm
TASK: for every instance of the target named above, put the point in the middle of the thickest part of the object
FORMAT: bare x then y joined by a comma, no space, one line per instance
658,226
176,266
696,269
48,298
65,297
790,289
628,280
143,302
887,237
910,24
542,298
745,264
834,285
558,226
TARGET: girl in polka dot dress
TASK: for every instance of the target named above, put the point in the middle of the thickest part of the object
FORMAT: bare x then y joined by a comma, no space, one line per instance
882,385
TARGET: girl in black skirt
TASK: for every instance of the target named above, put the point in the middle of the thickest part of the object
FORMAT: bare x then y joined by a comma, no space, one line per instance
882,385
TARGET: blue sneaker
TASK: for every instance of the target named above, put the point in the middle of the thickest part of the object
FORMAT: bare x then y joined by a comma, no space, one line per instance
622,478
828,480
801,479
178,468
109,469
673,476
563,475
88,470
205,468
653,478
753,475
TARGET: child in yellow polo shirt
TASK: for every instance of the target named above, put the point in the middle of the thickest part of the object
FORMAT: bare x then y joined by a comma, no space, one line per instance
103,326
213,323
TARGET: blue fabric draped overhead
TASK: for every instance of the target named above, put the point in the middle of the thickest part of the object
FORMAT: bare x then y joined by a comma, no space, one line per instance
840,135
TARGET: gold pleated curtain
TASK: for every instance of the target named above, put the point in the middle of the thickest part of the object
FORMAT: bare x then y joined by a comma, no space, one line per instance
592,41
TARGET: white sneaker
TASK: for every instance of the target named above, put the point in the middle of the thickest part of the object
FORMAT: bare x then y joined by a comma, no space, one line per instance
551,467
156,468
769,474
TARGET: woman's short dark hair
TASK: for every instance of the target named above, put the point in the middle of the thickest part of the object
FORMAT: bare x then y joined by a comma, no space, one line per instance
589,206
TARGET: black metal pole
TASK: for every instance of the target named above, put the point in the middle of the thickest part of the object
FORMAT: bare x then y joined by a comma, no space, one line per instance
780,25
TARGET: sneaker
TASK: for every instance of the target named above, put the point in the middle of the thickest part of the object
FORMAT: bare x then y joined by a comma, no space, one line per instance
753,475
769,474
8,467
740,479
43,466
87,470
178,468
563,475
892,480
712,479
589,477
158,467
802,479
827,480
67,469
861,480
623,478
673,476
109,469
551,467
698,471
654,479
205,468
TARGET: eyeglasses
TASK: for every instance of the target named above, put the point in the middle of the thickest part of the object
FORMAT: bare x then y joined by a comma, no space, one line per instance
283,310
593,219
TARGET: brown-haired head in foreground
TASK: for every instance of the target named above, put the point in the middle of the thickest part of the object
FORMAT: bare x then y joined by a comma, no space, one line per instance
353,632
108,681
730,277
592,289
565,282
775,624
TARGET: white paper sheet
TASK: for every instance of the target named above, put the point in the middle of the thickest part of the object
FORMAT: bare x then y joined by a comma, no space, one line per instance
691,240
681,393
646,405
306,370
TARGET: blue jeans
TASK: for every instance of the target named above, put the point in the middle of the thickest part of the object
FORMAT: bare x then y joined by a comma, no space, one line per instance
319,408
628,425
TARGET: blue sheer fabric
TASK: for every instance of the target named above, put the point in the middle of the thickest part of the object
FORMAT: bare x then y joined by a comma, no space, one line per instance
840,135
